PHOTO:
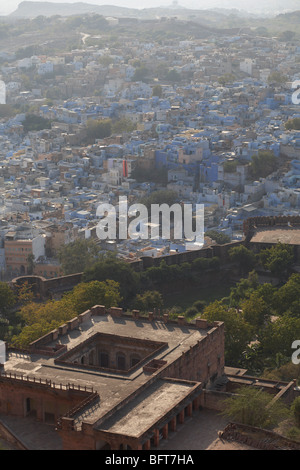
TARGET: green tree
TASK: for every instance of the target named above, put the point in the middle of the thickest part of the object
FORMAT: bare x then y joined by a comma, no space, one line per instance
219,237
54,93
123,125
286,372
110,267
77,256
267,292
148,300
32,333
244,257
28,51
161,70
253,359
256,310
25,293
263,164
238,333
157,91
286,298
40,319
98,129
106,60
277,78
31,263
199,305
7,111
7,298
154,175
287,36
243,289
278,336
262,31
173,76
293,124
191,312
252,406
226,79
33,122
140,74
86,295
277,259
295,408
230,166
164,196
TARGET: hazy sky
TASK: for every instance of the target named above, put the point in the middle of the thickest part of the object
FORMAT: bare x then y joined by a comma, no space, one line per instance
8,6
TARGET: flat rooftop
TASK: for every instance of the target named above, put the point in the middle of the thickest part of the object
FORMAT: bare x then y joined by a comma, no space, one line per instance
287,235
113,386
146,410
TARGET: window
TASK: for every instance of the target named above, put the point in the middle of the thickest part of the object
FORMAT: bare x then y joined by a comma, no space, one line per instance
121,361
91,358
134,360
103,359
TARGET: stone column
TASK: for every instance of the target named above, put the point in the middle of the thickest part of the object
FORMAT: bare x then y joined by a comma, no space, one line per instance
165,431
181,417
190,409
156,437
147,445
173,424
196,403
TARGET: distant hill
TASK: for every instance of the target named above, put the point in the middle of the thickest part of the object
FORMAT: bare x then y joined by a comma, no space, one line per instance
294,16
261,7
30,9
34,9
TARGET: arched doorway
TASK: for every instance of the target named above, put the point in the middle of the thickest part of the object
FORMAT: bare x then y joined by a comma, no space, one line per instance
102,445
125,447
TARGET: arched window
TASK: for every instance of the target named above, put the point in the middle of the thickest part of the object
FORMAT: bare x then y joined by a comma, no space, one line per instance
91,358
121,361
103,359
134,360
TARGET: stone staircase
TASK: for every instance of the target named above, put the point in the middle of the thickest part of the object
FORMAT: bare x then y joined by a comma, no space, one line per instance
220,384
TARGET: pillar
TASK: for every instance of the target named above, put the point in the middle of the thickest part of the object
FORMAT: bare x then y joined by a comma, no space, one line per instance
189,409
173,424
196,403
165,431
147,445
181,417
156,437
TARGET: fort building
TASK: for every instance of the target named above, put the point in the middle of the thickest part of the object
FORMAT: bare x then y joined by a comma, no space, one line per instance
109,380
